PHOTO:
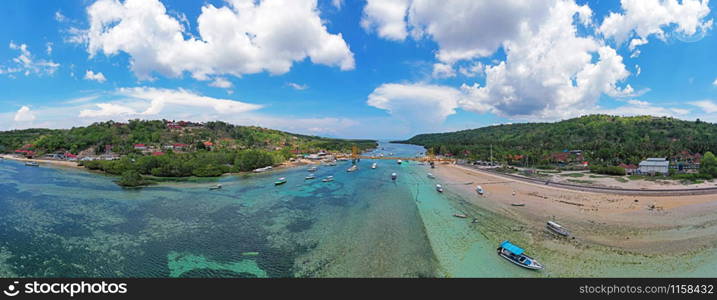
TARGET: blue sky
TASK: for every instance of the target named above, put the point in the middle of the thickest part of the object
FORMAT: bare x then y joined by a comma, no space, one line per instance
357,69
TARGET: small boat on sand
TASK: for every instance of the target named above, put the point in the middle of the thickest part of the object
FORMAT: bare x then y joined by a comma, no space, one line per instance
374,165
439,188
215,187
328,179
394,176
352,168
462,216
32,164
517,256
517,204
311,176
479,190
280,181
557,228
431,175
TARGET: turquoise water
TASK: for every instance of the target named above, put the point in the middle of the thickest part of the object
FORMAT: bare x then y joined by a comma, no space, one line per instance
69,222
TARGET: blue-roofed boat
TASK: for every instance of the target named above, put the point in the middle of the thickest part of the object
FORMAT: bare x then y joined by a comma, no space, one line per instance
517,256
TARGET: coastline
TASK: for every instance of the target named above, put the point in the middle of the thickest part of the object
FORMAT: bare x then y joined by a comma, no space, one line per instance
640,224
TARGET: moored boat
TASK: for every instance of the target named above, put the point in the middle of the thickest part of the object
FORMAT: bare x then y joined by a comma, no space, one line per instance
374,165
352,168
439,188
215,187
32,164
431,175
328,179
517,256
312,169
479,190
557,228
399,161
462,216
517,204
311,176
394,176
280,181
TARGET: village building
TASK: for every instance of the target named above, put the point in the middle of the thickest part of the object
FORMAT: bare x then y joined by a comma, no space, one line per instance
653,166
630,169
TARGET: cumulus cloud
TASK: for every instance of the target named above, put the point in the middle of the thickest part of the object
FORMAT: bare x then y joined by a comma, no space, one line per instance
714,82
422,104
645,18
221,82
386,17
24,114
25,63
243,37
91,75
441,70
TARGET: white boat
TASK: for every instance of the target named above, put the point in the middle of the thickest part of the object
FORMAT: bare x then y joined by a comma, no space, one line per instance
557,228
264,169
311,176
399,161
374,165
328,179
32,164
517,256
280,181
439,188
479,190
462,216
431,175
215,187
352,168
312,169
394,176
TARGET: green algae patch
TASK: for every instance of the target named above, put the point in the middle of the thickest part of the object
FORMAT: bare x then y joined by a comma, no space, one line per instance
183,263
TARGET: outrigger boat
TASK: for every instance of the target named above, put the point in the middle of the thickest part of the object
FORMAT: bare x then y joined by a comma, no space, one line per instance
281,181
517,256
328,179
394,176
517,204
557,228
311,176
479,190
32,164
462,216
312,169
215,187
439,188
352,168
374,165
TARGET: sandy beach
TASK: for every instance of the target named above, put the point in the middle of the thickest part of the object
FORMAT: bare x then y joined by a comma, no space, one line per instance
643,224
63,163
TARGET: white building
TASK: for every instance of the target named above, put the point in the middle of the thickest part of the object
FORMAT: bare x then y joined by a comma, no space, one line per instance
654,166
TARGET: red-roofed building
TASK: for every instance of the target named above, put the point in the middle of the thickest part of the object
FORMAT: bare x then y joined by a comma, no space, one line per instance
180,146
629,168
27,153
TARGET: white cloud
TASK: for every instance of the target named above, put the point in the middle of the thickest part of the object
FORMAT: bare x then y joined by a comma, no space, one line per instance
91,75
421,105
387,17
244,37
714,82
707,106
59,17
298,87
107,110
645,18
221,82
24,114
48,48
441,70
25,63
337,3
475,69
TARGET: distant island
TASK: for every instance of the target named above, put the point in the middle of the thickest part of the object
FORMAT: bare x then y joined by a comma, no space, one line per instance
162,148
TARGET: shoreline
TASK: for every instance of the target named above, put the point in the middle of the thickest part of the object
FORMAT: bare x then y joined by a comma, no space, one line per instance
643,224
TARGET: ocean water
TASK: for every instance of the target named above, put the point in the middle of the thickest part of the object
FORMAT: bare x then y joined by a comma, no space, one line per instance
72,223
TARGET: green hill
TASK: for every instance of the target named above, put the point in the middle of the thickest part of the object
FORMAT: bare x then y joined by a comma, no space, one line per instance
602,138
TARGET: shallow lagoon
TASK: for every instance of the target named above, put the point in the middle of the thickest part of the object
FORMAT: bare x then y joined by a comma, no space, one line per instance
69,222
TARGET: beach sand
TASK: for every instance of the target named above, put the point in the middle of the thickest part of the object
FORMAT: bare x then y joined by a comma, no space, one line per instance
63,163
639,224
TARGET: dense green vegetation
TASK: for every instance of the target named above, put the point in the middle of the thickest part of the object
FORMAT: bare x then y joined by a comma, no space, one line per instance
605,140
122,136
232,149
608,170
